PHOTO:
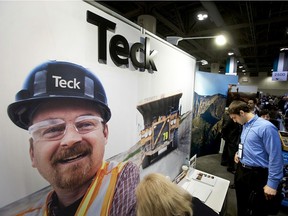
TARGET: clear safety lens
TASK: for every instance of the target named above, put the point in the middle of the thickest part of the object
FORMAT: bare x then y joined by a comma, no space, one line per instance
54,129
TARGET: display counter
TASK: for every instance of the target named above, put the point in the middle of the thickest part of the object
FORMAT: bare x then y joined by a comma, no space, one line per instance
210,189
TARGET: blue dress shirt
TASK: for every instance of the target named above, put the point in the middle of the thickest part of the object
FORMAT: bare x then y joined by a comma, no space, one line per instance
262,148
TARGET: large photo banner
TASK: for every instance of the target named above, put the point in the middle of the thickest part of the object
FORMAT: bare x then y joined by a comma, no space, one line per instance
149,85
210,99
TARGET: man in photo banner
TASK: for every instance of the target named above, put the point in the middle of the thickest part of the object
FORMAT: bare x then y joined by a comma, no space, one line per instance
64,108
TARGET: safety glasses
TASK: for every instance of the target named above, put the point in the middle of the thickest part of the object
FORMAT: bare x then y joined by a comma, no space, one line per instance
55,129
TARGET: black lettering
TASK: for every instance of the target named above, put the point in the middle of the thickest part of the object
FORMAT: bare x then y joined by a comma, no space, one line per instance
103,25
133,52
149,55
119,47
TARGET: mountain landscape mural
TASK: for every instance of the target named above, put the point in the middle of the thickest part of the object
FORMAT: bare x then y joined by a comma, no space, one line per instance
206,124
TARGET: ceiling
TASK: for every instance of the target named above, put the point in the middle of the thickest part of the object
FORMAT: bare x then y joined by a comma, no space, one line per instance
256,30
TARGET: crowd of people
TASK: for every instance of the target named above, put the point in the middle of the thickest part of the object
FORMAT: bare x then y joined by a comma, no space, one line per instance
277,106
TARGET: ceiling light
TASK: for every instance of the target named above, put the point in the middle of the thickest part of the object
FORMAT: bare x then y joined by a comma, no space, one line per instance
203,62
202,15
219,39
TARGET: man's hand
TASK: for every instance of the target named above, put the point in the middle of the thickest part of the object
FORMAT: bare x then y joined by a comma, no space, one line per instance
236,158
269,192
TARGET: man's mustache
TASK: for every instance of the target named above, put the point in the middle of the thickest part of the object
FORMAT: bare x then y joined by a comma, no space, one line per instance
65,155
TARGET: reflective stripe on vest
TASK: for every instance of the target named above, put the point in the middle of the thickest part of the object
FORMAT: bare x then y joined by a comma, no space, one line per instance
98,198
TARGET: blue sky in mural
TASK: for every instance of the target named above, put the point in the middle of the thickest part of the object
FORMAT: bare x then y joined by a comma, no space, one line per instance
211,83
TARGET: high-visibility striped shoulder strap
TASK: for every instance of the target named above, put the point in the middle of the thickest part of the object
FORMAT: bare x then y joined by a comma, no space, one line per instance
99,196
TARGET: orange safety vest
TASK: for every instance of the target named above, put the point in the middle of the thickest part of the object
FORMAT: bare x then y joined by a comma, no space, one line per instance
98,198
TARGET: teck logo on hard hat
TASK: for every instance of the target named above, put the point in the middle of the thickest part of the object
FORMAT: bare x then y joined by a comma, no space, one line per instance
62,83
120,54
65,82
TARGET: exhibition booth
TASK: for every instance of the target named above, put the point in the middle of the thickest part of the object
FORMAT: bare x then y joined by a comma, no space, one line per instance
159,102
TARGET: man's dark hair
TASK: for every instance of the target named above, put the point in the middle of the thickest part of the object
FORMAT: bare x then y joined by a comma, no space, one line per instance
264,112
236,106
253,99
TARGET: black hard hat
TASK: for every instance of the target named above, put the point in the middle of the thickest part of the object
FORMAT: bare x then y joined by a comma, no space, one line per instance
56,80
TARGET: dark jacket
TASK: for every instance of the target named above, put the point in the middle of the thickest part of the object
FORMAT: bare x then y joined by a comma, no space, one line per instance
200,209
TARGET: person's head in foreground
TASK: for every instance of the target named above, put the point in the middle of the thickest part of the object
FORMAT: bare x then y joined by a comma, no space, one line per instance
157,195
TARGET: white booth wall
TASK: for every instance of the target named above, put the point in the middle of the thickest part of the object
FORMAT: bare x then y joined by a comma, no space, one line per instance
33,32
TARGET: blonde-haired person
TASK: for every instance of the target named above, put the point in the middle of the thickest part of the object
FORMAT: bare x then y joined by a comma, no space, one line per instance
157,195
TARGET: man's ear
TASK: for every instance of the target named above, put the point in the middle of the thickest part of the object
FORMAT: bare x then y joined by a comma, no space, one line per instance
31,152
241,113
106,133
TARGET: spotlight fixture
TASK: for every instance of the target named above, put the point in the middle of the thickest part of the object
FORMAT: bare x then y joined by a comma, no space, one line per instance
202,15
219,39
203,62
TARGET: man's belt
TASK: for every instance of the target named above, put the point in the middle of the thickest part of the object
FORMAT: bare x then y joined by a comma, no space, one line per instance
251,167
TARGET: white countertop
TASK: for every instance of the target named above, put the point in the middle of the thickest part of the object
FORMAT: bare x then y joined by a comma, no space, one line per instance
209,188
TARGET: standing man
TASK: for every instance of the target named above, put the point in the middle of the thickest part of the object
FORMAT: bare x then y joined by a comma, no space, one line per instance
230,132
64,108
252,103
259,163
